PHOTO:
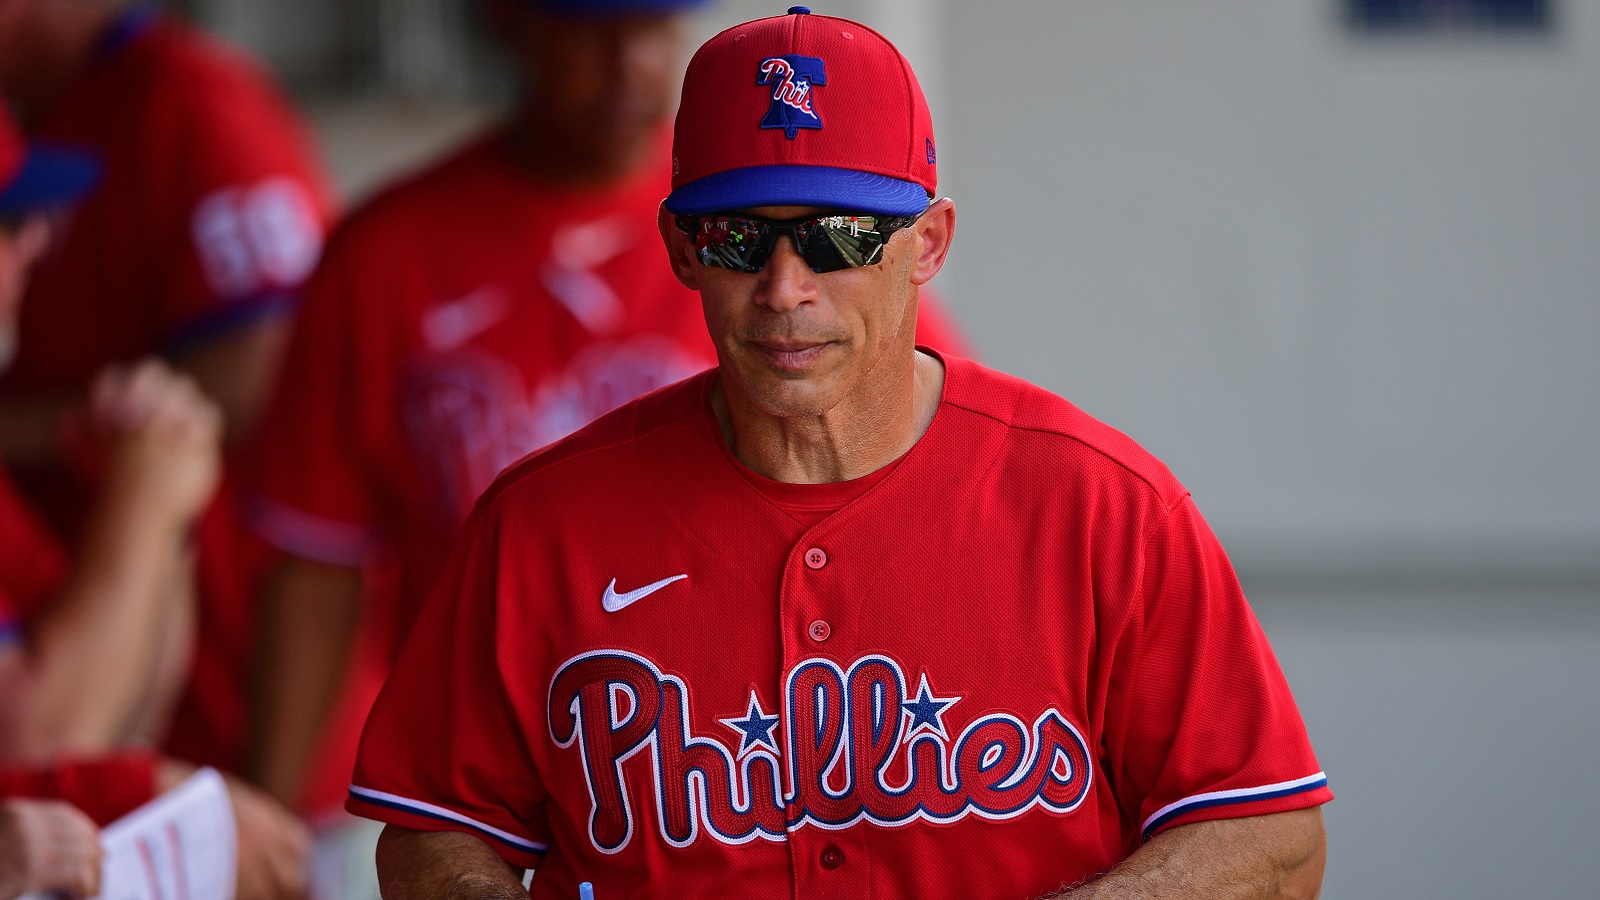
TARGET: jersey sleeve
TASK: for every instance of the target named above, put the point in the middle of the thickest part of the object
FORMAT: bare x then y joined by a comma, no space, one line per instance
312,493
1200,722
443,749
105,789
255,210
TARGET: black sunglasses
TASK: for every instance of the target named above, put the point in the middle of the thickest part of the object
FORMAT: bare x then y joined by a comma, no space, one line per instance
827,243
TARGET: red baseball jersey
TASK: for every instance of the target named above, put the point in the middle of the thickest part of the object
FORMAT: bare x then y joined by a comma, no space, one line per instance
462,320
210,214
992,670
105,789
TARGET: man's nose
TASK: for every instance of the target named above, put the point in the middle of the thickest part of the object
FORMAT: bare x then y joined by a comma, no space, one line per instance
787,281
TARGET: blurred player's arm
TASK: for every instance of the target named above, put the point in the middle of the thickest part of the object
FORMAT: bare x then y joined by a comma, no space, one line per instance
443,865
101,651
237,371
306,628
30,428
1273,857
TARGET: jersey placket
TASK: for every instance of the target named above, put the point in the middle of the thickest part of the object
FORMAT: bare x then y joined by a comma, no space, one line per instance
818,620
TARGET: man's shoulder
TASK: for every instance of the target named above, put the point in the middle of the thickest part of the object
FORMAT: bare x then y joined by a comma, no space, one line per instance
605,455
185,66
417,204
1048,431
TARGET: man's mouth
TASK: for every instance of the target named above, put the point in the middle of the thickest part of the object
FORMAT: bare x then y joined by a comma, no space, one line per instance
790,356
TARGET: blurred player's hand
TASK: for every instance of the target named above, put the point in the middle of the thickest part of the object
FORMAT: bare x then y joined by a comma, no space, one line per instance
162,435
47,846
274,848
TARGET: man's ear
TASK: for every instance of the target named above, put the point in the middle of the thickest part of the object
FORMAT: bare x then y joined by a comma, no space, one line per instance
680,252
936,229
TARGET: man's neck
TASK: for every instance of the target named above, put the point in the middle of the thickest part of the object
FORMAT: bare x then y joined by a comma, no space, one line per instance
547,157
868,431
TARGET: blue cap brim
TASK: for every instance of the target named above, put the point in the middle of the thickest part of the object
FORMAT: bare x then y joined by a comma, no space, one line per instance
754,186
49,176
612,7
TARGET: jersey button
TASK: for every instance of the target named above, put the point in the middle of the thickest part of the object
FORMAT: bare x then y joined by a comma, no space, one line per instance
816,558
819,631
832,858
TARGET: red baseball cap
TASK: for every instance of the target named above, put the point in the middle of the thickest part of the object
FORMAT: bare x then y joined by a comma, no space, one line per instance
33,176
802,110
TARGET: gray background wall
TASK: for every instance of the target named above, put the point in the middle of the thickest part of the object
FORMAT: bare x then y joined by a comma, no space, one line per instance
1344,286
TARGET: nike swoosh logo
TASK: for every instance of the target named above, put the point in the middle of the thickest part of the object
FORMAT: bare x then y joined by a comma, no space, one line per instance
449,326
615,602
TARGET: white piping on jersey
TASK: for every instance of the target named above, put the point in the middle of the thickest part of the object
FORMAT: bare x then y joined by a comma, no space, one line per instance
384,799
1237,795
311,536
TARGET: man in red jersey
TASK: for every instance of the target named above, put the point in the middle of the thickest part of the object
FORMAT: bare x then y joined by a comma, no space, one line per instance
92,647
209,216
465,317
843,617
92,650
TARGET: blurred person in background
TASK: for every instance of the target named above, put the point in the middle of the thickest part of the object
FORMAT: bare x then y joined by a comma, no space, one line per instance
93,649
463,318
210,214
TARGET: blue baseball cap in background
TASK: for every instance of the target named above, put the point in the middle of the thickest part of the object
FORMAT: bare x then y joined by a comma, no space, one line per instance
35,176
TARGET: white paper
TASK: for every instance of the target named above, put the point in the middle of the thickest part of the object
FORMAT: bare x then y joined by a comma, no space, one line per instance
181,846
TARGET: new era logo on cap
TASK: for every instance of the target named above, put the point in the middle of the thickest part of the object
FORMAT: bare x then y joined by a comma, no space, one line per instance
835,119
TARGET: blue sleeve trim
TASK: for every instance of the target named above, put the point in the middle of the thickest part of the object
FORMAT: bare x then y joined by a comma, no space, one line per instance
225,320
1228,798
10,633
440,814
309,536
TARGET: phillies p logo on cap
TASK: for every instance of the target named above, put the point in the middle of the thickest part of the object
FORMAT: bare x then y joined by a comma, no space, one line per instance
791,78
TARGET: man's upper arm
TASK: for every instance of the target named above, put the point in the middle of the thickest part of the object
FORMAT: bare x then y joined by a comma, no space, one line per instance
1200,723
312,490
444,749
255,208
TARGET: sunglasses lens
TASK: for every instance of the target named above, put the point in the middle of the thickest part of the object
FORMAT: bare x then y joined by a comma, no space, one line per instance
841,242
827,243
728,242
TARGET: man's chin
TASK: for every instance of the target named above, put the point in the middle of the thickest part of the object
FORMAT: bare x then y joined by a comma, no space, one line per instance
788,395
